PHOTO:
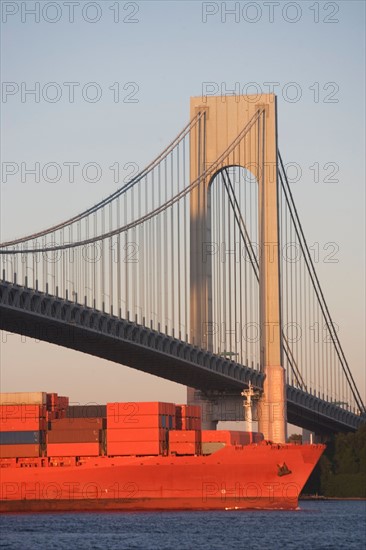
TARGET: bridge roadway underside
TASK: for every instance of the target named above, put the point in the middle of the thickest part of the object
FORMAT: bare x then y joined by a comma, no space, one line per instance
71,325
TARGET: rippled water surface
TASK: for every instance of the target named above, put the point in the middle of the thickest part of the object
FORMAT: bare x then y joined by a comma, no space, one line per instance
316,525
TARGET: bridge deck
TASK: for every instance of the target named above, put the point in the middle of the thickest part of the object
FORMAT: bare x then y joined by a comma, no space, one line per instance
72,325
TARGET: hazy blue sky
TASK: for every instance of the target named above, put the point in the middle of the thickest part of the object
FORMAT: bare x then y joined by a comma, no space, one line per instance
160,54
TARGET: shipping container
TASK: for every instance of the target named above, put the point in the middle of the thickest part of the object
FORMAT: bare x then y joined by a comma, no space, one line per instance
27,398
169,408
140,434
57,402
55,415
63,402
185,448
22,411
20,451
86,411
231,437
135,409
136,448
187,423
243,438
22,424
188,410
188,417
21,438
73,449
141,421
74,436
222,436
185,442
183,436
77,424
52,415
51,400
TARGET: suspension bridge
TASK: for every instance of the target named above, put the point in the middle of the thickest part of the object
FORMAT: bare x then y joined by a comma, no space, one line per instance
198,271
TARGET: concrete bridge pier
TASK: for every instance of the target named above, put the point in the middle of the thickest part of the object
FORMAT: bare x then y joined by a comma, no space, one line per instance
222,119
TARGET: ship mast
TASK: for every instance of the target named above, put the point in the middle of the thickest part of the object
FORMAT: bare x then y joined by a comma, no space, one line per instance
249,396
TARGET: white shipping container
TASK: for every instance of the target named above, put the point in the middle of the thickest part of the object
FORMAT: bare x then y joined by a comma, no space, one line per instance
23,398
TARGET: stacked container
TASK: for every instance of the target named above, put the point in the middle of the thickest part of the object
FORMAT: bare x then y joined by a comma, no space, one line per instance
22,424
86,411
56,406
75,437
188,417
139,428
185,442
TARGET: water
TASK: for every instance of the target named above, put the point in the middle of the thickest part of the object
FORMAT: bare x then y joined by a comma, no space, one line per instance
316,525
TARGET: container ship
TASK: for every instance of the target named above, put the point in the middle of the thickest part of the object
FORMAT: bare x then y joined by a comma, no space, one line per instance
138,456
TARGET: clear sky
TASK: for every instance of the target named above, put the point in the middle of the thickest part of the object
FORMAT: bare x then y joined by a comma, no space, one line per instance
142,61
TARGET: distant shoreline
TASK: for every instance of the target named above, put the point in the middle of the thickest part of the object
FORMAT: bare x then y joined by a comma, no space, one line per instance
320,497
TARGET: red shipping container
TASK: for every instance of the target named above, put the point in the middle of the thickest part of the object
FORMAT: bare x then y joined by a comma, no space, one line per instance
52,415
74,436
188,417
186,410
213,436
20,451
171,422
140,434
135,448
184,448
229,437
77,424
182,436
184,423
193,411
59,404
137,421
22,411
141,421
73,449
170,409
63,402
52,399
242,438
56,415
22,424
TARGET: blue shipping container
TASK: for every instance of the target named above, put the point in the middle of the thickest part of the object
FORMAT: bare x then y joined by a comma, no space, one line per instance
20,438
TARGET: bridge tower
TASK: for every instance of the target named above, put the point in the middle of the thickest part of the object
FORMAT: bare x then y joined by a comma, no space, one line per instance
223,119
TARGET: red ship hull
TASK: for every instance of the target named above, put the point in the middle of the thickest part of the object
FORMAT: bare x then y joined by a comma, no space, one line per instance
263,476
